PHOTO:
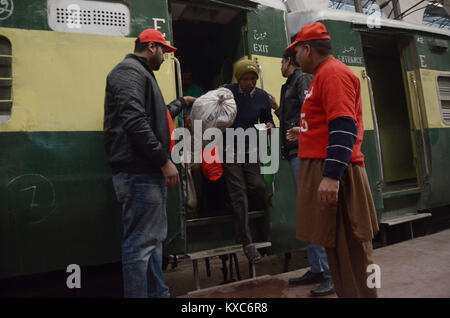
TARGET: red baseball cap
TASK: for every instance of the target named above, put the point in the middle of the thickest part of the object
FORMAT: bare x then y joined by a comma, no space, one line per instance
152,35
313,31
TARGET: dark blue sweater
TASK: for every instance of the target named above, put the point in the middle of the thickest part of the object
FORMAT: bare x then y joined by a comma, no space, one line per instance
251,110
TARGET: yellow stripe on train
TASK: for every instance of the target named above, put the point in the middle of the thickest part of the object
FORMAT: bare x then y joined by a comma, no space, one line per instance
59,79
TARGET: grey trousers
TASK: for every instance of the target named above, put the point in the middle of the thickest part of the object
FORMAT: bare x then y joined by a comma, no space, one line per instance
243,180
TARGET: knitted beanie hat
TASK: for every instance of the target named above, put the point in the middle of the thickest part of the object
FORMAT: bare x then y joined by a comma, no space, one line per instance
245,66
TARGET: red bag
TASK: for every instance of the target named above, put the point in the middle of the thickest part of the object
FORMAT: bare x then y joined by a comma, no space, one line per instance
172,140
212,171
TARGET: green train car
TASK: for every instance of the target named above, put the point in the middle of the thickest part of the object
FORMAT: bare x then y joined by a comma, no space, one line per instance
57,204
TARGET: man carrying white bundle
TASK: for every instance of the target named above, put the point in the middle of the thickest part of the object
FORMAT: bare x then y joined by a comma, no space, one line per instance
244,179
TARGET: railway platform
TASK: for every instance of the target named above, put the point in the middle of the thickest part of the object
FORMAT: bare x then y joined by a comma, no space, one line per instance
417,268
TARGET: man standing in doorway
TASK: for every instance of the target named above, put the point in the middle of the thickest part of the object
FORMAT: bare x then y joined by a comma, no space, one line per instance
292,96
189,87
334,202
137,132
245,179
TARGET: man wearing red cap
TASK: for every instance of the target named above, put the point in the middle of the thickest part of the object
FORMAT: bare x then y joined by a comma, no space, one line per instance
292,95
137,133
334,204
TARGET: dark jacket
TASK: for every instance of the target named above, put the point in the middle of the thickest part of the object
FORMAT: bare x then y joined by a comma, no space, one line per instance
136,128
292,95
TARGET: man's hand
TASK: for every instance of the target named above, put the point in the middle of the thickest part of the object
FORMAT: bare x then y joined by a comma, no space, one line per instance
327,194
269,126
189,100
274,102
171,173
292,134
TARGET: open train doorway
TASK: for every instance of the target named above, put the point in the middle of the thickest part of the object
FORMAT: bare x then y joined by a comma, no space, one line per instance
384,66
210,39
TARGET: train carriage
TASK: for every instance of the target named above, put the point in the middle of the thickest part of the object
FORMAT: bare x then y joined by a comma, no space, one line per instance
57,204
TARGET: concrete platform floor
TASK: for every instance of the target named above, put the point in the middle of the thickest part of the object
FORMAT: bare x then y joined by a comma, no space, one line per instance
417,268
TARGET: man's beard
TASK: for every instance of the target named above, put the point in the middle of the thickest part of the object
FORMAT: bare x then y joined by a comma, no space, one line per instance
155,65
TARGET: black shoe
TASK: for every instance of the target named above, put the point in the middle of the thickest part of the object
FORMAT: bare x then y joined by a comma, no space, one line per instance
325,288
307,279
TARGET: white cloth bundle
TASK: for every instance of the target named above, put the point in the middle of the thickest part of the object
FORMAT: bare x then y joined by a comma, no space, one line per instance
216,108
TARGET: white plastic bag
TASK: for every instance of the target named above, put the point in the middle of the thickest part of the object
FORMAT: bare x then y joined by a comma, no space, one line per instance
216,108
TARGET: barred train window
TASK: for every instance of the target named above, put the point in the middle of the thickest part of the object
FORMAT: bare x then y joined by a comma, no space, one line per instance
444,97
5,79
91,17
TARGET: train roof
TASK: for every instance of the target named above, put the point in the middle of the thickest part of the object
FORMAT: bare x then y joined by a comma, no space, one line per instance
277,4
297,19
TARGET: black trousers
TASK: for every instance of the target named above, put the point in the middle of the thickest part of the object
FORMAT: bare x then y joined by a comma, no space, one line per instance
244,180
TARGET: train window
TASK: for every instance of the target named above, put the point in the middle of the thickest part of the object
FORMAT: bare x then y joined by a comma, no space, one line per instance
92,17
5,79
443,82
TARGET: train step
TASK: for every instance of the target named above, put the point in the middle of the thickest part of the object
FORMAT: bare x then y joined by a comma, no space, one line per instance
226,250
397,217
220,219
402,192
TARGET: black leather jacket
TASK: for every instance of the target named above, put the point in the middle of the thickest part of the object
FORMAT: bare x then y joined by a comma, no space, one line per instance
136,129
292,95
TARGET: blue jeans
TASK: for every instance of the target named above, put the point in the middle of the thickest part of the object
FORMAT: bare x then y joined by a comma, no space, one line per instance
143,198
317,256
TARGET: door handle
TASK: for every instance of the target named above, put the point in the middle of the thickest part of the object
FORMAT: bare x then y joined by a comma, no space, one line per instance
422,127
178,67
376,128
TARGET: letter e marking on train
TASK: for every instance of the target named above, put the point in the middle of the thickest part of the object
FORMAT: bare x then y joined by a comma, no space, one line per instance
374,279
156,26
74,279
423,61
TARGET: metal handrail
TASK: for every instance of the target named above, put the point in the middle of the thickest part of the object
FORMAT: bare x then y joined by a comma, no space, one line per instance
375,125
422,127
180,85
261,80
182,207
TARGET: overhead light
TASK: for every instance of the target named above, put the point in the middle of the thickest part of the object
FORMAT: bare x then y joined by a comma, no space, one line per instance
436,4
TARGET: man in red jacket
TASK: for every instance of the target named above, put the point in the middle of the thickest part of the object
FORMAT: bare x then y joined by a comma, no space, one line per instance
334,203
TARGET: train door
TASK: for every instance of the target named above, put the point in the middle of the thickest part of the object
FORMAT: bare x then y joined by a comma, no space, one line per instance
385,58
267,41
210,38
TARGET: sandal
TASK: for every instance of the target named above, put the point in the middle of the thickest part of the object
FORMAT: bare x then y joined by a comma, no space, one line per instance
253,255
